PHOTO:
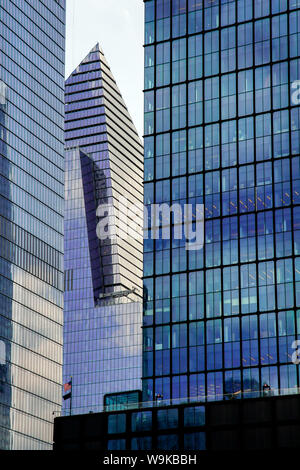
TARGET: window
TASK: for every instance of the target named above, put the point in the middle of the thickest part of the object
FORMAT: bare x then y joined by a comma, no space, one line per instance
195,57
231,291
179,297
213,243
229,192
162,159
263,137
178,60
266,286
212,146
116,444
230,240
167,442
261,8
196,295
227,12
279,38
214,336
141,443
247,193
211,14
245,45
294,34
178,106
141,421
246,140
211,104
262,41
280,85
167,419
197,346
212,194
178,17
194,416
228,49
285,288
268,346
194,16
265,238
162,110
249,341
281,134
178,151
195,150
211,53
248,288
194,441
244,10
231,342
149,67
162,64
116,423
149,158
163,13
149,22
245,96
195,103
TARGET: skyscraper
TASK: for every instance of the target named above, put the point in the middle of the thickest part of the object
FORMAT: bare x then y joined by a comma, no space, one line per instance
31,220
220,322
103,274
222,130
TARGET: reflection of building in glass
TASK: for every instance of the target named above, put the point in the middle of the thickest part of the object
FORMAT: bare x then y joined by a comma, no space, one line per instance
31,221
103,287
222,129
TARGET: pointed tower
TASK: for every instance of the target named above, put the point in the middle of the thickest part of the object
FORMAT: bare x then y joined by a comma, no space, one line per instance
97,122
103,238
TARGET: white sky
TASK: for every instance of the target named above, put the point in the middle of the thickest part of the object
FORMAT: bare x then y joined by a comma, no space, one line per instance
118,25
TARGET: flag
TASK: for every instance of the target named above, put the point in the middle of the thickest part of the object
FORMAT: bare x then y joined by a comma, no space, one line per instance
68,390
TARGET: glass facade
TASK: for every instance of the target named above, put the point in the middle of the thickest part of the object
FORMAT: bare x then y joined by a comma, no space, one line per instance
222,130
103,275
31,220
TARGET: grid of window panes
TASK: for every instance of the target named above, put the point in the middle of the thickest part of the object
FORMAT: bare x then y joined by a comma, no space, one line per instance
222,129
31,220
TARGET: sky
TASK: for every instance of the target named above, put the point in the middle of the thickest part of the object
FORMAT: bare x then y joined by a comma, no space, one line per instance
118,26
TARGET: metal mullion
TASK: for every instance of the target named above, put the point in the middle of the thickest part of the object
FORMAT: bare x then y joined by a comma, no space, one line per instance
293,257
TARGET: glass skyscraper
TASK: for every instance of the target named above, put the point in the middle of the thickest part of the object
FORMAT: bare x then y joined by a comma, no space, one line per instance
103,274
222,129
31,220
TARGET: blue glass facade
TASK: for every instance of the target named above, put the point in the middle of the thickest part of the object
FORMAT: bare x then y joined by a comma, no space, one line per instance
222,130
103,277
31,220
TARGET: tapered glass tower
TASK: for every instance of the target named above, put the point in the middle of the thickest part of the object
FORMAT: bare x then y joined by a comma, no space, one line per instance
32,52
103,268
222,129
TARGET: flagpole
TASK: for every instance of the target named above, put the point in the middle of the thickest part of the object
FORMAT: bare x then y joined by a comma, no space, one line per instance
71,395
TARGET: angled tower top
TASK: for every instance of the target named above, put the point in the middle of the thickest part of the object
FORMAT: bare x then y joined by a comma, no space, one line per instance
95,66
